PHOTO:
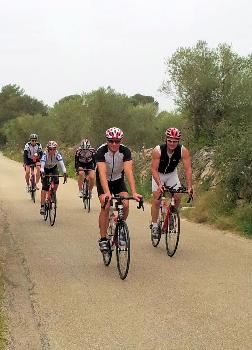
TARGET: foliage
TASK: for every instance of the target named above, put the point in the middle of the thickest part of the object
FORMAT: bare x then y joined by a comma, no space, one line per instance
14,102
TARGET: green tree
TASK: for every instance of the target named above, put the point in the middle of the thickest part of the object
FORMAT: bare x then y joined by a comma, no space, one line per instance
14,102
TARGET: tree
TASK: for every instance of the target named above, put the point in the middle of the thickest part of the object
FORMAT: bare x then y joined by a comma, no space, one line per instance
14,102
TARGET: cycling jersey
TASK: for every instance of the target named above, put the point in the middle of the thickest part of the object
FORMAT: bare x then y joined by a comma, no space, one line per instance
30,150
168,162
114,161
85,156
50,161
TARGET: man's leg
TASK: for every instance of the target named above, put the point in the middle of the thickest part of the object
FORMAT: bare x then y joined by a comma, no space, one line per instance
91,176
27,174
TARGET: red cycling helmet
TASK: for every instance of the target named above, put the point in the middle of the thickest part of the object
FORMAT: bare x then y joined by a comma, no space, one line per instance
52,145
174,133
114,133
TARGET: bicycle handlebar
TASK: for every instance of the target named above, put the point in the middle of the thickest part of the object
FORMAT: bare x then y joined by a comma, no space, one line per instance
53,175
118,197
172,190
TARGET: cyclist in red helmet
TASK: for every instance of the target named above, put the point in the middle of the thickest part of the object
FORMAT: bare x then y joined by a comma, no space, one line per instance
113,161
165,159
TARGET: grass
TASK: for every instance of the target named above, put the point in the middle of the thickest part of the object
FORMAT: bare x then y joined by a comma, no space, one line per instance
2,319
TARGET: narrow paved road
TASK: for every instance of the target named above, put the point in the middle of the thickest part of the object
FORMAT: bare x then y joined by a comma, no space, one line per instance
60,296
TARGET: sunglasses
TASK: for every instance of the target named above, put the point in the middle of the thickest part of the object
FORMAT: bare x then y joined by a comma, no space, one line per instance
172,141
33,140
114,141
51,149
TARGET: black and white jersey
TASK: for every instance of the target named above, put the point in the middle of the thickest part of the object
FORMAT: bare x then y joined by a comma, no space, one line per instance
114,161
30,150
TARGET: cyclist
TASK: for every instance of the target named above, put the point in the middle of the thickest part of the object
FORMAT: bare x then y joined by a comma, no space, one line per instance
49,160
32,154
113,160
85,159
165,158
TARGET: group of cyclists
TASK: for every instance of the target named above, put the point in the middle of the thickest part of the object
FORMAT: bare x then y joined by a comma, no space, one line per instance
110,163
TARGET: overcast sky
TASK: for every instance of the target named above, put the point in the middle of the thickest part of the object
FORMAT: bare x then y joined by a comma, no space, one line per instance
55,48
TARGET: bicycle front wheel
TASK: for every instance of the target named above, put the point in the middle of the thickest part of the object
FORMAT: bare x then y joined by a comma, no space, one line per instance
46,211
86,196
122,249
33,189
172,233
52,208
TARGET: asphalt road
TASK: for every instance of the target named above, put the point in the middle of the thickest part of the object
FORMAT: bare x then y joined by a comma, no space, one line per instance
60,296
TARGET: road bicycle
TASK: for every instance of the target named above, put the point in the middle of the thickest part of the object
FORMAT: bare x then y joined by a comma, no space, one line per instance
169,220
119,236
51,200
86,195
32,183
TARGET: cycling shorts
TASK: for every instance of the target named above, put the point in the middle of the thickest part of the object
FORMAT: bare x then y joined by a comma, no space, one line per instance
115,187
45,180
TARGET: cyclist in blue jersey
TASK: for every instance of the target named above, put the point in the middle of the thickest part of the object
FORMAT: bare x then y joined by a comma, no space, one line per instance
49,166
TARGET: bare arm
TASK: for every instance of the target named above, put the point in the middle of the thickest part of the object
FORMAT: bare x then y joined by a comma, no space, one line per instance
103,176
128,169
188,168
154,166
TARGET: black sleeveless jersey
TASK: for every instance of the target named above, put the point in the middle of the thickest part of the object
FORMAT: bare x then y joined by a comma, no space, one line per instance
168,164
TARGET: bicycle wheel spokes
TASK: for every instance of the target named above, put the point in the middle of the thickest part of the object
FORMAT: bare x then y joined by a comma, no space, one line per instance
52,208
122,249
172,234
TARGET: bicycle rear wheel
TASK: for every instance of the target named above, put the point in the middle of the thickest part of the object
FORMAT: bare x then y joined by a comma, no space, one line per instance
52,208
122,252
172,233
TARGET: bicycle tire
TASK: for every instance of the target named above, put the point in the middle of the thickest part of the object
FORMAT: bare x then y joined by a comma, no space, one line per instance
52,208
172,233
46,211
86,195
122,254
33,188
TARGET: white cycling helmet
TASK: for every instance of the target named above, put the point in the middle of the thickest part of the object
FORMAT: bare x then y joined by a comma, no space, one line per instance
52,145
114,133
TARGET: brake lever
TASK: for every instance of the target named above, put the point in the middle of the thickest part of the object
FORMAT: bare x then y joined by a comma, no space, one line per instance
140,204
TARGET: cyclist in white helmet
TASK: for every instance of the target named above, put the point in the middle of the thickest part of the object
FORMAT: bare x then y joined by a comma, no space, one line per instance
85,159
113,160
49,166
32,154
165,159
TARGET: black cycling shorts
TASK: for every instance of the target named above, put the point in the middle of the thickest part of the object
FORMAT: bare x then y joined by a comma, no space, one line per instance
45,180
90,165
115,187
